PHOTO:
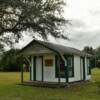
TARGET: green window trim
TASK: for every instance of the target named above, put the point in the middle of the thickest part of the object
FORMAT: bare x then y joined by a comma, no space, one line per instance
56,67
88,66
57,70
30,69
72,57
84,69
34,68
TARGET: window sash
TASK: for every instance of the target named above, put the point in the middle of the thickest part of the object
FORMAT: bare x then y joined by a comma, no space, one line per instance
71,66
88,66
70,60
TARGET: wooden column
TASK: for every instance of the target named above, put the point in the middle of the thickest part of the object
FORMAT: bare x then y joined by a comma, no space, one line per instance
22,74
42,70
34,68
59,76
66,69
30,70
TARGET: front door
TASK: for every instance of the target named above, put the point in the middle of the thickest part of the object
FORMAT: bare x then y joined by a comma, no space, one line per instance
38,69
82,68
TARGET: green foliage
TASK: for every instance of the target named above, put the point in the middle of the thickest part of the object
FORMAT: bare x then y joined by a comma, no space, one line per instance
11,61
1,48
42,16
90,51
98,56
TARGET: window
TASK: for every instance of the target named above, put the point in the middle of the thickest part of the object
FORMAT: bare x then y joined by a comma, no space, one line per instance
59,67
61,70
70,60
49,62
88,66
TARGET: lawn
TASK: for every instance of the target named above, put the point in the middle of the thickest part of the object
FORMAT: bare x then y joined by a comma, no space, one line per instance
9,90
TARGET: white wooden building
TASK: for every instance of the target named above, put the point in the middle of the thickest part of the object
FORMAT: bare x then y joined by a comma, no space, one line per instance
56,63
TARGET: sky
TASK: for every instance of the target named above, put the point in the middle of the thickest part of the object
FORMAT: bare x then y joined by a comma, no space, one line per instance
85,25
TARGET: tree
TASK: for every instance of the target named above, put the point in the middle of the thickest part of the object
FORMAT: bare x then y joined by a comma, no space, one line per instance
42,16
11,61
89,50
92,52
98,56
1,48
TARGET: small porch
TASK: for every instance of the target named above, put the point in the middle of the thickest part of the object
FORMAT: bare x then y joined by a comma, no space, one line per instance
45,71
44,84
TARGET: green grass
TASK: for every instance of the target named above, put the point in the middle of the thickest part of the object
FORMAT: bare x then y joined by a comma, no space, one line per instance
9,90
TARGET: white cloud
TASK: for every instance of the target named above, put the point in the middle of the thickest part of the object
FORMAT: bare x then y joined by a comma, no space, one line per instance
85,29
85,16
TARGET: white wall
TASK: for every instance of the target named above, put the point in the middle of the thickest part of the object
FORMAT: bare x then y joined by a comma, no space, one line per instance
77,74
88,77
49,72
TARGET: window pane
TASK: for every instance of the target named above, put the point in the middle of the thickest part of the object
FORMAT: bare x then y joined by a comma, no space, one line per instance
69,62
70,73
62,71
70,66
88,66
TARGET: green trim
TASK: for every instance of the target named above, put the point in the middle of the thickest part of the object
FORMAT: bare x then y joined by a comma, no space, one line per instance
73,66
30,73
22,74
42,69
57,68
72,56
88,67
84,73
65,68
66,71
34,68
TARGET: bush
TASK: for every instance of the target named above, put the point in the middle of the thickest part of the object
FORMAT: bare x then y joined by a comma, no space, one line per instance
11,61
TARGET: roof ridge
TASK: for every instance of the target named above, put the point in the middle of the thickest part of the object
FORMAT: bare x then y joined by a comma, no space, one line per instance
58,44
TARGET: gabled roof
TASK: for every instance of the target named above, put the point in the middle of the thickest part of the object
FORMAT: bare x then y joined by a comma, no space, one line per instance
61,49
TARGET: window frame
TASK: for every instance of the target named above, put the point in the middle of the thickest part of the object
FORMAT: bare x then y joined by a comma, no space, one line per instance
72,68
56,68
47,62
88,66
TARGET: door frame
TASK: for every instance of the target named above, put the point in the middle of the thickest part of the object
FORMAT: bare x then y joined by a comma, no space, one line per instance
42,69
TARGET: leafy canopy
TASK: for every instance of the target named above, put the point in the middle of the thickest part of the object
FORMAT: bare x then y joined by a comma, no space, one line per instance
42,16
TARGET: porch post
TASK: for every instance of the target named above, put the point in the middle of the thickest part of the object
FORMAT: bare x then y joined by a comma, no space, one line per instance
30,69
30,65
66,68
22,74
66,71
34,68
42,70
58,64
